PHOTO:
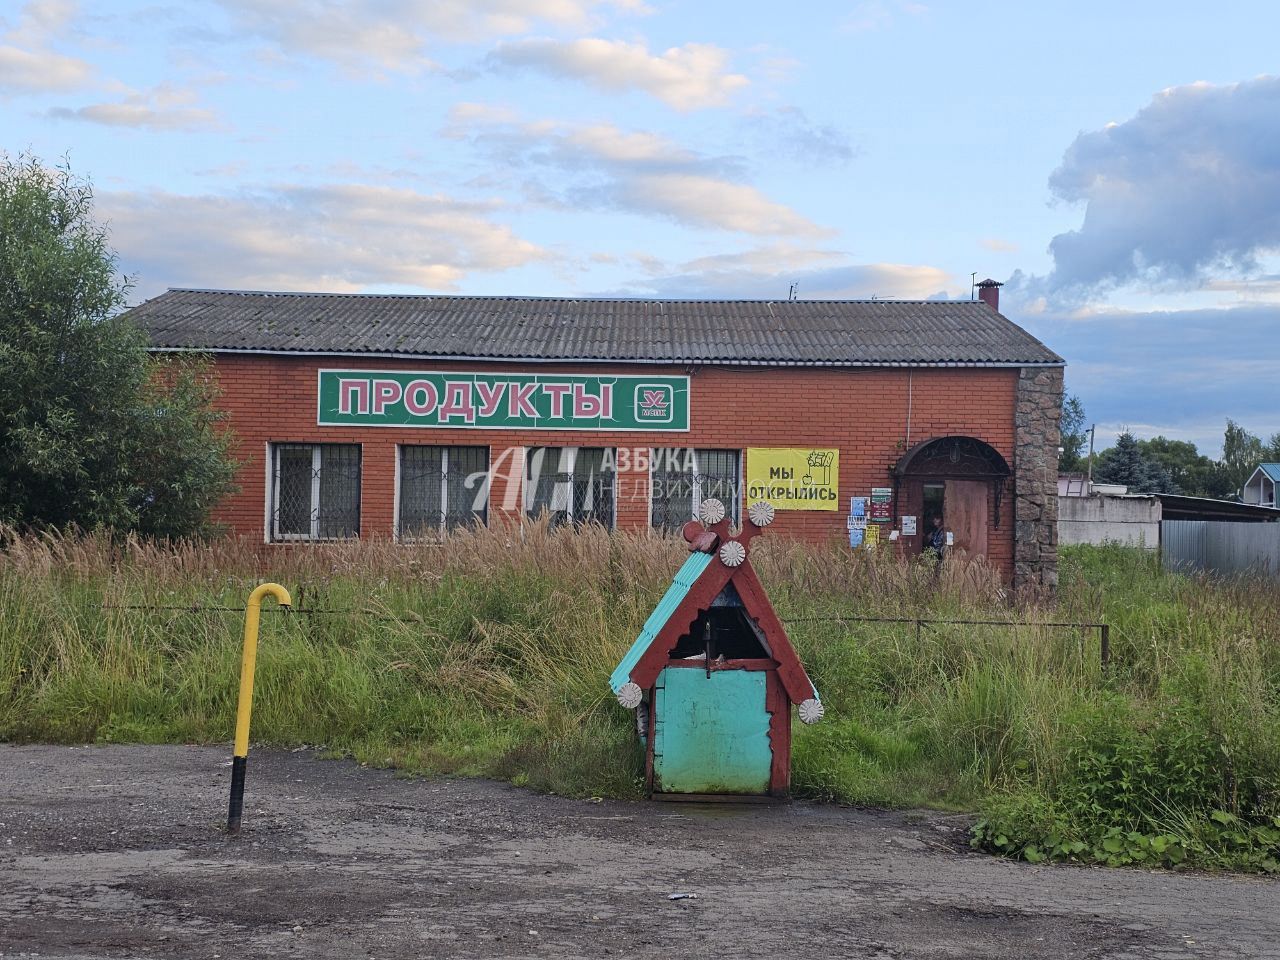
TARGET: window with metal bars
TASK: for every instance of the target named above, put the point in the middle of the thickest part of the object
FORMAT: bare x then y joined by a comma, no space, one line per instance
682,477
315,491
570,484
441,489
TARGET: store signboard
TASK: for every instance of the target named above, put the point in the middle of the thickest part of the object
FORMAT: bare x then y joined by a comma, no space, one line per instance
501,401
794,478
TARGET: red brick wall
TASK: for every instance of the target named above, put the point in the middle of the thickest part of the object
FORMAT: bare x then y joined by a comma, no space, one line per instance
861,411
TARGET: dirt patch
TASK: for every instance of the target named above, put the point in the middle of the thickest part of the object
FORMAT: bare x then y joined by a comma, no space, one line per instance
118,852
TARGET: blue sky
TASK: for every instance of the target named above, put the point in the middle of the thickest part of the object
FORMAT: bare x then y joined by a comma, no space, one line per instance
1117,164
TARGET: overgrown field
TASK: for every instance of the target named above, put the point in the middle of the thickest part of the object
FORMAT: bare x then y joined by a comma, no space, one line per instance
488,654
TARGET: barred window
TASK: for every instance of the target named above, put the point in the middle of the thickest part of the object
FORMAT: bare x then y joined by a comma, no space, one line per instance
315,491
572,484
682,477
441,489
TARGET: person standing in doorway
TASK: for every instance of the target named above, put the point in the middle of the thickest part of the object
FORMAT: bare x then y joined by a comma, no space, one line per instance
936,538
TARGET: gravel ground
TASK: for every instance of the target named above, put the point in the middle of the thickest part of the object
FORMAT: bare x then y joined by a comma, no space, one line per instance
118,852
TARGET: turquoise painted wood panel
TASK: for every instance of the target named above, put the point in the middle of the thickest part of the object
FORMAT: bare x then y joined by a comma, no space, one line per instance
712,733
683,581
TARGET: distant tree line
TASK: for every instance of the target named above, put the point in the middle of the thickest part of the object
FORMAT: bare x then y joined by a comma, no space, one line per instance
1161,465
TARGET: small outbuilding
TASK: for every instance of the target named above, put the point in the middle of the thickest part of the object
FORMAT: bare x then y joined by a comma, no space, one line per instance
1260,488
713,675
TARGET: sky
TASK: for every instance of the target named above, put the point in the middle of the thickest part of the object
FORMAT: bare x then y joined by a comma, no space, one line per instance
1117,166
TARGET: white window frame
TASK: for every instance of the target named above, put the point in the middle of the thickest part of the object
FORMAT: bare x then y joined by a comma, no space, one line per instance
444,485
273,506
568,466
696,484
314,533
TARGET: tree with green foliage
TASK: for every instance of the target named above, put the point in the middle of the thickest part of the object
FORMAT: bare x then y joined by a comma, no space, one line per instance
1241,454
1075,435
93,433
1127,464
1191,472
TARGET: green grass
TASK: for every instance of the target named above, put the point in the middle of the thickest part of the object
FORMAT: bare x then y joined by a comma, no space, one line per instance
489,655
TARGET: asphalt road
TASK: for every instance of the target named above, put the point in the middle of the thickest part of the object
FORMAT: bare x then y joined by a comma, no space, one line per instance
118,852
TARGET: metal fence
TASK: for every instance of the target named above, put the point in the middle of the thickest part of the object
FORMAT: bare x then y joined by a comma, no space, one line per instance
1220,546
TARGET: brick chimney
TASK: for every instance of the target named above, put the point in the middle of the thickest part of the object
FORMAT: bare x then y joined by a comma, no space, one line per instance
989,293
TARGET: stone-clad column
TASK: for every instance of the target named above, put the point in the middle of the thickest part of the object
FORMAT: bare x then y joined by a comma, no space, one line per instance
1035,478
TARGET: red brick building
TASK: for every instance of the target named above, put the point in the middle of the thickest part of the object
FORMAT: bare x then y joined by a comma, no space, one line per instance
380,416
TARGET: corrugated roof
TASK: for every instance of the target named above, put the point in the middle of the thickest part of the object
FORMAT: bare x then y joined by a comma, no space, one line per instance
1272,470
768,332
1178,507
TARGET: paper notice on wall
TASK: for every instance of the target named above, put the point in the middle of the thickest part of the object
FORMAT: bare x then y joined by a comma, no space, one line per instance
881,504
857,513
857,522
871,537
908,526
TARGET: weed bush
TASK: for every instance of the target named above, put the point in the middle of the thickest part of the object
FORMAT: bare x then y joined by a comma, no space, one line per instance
489,654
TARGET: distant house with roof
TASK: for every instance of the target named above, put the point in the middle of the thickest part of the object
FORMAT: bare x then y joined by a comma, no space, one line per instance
1260,488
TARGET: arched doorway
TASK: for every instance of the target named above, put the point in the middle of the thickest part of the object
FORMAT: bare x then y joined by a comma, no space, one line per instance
961,480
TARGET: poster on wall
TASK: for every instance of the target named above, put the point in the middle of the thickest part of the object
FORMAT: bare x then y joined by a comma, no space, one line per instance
881,504
794,478
501,401
908,526
857,522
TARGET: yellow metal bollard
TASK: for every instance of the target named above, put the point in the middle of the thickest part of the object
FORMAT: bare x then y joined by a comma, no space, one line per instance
252,615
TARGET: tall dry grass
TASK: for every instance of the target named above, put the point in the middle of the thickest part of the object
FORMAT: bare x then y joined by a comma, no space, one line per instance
488,653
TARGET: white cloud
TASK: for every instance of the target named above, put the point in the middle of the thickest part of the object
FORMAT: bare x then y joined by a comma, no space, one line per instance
28,61
336,237
770,259
996,245
767,272
708,202
395,34
1185,191
1264,288
873,15
161,108
788,131
464,116
608,143
503,130
639,172
689,77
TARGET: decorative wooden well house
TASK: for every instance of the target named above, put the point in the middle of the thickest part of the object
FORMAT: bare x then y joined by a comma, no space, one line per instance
713,674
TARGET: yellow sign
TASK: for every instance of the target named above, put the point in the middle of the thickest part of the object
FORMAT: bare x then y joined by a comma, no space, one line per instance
794,478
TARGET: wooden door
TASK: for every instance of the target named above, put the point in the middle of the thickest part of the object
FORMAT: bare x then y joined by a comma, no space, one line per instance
965,515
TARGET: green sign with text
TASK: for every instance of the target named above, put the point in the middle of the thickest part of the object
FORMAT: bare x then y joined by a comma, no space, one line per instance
501,401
